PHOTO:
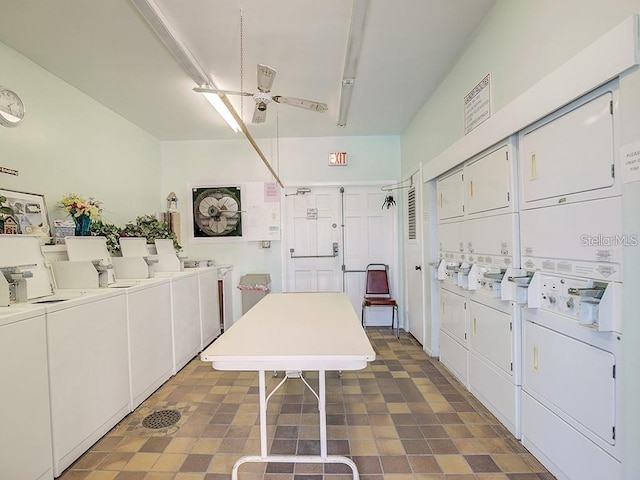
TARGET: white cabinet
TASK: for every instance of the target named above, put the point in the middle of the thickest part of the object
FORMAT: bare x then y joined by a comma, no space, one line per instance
454,356
25,441
491,336
209,305
450,196
493,362
150,344
570,155
185,318
489,182
453,315
453,333
88,372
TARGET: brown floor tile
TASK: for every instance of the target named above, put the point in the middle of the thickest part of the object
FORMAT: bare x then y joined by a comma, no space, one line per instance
402,417
424,464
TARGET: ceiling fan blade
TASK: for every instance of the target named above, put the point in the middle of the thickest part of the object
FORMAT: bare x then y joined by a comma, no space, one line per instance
266,76
217,90
302,103
259,115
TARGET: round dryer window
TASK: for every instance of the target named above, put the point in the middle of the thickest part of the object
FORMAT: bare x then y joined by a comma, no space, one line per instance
216,212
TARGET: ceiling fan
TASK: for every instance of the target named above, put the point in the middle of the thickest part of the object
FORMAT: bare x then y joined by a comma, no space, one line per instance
266,76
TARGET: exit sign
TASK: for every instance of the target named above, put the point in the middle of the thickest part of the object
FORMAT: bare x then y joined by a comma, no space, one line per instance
338,158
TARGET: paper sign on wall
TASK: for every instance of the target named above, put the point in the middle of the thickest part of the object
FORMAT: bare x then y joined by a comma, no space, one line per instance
262,217
630,162
477,104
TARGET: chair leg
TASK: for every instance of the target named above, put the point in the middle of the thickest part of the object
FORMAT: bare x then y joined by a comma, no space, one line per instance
362,316
395,310
393,317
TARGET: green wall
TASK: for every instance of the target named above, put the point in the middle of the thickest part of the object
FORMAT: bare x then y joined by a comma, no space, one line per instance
519,43
68,142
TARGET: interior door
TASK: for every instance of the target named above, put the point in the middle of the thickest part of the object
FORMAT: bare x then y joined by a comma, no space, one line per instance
352,218
314,243
414,261
369,237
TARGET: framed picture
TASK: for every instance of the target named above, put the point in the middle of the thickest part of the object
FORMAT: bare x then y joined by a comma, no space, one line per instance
29,214
216,212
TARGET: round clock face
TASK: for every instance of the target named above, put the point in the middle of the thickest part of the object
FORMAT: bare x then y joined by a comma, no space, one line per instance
11,108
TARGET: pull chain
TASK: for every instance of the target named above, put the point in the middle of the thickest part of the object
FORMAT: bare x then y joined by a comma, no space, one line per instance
241,68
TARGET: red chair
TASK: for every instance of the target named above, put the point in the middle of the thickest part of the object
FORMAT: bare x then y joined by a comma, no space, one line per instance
377,293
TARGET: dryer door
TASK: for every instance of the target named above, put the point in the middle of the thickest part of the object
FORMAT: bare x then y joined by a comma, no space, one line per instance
570,153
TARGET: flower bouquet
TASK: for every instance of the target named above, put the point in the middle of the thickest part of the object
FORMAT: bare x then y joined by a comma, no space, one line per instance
83,211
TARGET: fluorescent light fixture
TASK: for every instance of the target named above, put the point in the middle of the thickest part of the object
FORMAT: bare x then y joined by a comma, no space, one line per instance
345,101
217,103
354,45
156,19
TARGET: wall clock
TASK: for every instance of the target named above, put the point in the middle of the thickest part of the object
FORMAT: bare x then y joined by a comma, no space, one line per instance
11,108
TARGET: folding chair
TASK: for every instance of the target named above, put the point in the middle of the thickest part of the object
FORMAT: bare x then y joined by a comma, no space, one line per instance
377,293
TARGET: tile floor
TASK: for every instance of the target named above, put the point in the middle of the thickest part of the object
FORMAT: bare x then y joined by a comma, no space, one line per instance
402,418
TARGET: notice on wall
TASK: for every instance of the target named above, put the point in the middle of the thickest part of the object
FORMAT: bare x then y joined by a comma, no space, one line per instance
630,162
477,104
262,214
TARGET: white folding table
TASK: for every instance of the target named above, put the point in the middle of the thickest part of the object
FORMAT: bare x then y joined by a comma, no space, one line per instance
294,332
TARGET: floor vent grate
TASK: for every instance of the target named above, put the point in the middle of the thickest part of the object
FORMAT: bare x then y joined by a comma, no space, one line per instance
161,419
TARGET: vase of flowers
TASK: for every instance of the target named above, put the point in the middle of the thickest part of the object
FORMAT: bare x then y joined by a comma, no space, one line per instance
83,211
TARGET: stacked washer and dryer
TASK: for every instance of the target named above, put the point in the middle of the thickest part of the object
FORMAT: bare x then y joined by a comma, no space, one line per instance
531,290
571,236
478,241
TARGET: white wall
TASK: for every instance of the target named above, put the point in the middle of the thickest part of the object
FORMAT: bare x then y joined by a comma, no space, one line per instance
298,161
68,142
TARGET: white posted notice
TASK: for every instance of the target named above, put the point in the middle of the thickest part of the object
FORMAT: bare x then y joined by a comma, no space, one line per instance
477,104
630,162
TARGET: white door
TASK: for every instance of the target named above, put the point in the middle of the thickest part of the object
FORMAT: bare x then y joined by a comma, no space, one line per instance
369,237
348,222
450,189
414,259
314,243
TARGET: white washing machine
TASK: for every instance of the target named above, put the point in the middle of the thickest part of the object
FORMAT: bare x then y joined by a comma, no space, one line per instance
25,438
88,370
571,377
87,351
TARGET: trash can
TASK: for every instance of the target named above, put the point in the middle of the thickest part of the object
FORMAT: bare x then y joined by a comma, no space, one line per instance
254,287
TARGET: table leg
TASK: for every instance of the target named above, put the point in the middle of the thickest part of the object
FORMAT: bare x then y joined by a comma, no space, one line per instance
263,414
322,412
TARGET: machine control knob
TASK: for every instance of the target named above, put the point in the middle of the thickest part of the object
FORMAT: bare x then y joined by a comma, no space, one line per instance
552,300
570,302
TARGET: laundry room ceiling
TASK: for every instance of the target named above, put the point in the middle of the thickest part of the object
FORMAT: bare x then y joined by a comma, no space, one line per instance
107,50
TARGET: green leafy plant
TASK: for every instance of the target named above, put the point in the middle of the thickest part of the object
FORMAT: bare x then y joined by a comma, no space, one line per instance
110,231
150,227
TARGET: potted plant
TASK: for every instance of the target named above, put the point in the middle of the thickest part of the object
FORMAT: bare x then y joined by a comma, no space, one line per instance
110,231
83,211
150,227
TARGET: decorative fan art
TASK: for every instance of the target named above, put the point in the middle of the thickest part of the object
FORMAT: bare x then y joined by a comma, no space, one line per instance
216,212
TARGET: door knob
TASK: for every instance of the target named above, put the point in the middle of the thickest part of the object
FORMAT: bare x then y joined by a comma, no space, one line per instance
418,267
